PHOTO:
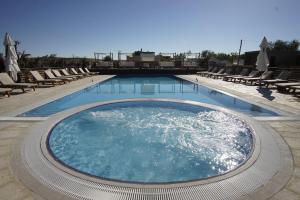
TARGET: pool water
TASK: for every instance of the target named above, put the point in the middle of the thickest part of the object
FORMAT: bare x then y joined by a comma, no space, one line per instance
151,142
121,87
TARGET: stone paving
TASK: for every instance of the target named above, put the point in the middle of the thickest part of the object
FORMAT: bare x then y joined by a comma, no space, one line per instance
288,129
12,131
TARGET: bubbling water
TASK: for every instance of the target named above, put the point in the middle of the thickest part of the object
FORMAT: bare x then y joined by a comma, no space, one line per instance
152,142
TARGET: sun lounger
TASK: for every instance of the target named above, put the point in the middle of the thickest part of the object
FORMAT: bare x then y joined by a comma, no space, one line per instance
210,69
76,73
88,71
39,79
51,76
281,78
83,72
226,73
265,75
243,73
5,91
294,88
64,71
7,82
58,74
252,74
285,87
220,71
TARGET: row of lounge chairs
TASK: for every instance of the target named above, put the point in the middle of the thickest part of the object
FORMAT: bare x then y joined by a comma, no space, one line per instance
253,77
53,77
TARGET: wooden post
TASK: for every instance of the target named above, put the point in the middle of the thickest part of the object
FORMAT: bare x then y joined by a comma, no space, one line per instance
238,61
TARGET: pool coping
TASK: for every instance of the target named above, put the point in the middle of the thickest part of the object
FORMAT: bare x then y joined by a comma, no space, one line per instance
284,171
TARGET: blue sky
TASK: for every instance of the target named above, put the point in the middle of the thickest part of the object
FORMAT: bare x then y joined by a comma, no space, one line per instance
81,27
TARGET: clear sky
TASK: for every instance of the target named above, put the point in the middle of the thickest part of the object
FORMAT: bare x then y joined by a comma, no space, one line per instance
81,27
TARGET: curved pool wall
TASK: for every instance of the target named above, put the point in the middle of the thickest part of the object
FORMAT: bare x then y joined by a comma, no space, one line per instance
171,87
260,177
151,142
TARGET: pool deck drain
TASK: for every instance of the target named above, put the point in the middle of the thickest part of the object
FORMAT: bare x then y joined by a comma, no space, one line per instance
12,131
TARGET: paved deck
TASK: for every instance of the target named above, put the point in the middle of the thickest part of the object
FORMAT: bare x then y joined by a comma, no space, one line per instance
11,131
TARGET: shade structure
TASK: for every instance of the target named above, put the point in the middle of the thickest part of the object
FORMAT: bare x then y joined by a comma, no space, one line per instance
262,61
11,58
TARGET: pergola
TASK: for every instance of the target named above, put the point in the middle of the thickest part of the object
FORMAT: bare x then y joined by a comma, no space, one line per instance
100,56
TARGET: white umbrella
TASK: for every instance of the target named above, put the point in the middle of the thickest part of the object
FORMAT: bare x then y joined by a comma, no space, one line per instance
11,59
262,61
8,41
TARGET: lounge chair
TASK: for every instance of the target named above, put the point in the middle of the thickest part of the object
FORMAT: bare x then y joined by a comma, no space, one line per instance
51,76
83,72
209,69
294,88
7,82
219,71
88,71
252,74
285,87
5,91
76,73
281,78
59,75
244,72
64,71
228,71
39,79
264,76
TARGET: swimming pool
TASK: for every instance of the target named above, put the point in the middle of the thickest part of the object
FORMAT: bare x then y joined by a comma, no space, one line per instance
151,142
171,87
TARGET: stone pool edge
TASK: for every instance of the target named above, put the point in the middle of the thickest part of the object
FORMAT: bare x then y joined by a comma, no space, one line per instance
277,181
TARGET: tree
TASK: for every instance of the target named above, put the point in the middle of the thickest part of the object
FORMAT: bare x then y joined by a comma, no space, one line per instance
280,45
107,58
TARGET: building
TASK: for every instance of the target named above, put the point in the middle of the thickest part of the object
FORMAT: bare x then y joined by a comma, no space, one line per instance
144,56
144,59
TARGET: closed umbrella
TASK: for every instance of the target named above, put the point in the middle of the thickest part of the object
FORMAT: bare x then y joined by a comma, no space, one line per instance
11,58
262,61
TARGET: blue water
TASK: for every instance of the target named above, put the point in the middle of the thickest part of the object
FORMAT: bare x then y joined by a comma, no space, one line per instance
151,142
121,87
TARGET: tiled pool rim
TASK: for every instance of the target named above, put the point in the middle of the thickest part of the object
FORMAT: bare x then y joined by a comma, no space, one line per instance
271,163
60,164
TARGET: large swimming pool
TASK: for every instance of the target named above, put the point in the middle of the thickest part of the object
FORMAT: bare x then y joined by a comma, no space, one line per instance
171,87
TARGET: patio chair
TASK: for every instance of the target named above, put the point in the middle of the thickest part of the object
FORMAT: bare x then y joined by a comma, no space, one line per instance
264,76
285,87
244,72
5,91
39,79
66,73
7,82
51,76
281,78
252,74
